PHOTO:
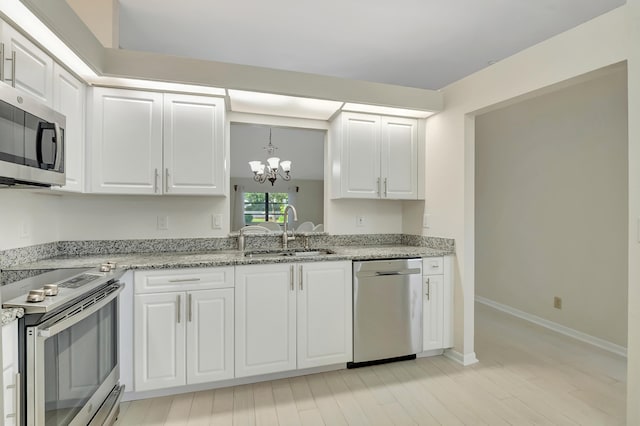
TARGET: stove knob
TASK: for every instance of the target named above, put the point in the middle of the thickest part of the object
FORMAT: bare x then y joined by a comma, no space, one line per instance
50,289
35,296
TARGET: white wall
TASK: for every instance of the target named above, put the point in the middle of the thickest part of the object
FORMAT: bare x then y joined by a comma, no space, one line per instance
28,217
450,136
103,217
606,40
551,206
102,18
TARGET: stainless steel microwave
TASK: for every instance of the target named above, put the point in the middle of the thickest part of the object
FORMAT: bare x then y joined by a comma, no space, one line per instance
31,141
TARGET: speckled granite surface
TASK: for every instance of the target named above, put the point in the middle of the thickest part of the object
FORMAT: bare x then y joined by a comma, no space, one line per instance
205,252
230,257
11,314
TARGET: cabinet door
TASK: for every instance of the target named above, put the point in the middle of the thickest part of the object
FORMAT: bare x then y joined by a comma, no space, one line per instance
69,99
399,160
159,341
10,370
126,143
433,312
324,314
360,159
209,335
34,68
193,145
265,311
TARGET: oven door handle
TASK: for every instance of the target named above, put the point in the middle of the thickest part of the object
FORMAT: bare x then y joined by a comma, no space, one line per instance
48,329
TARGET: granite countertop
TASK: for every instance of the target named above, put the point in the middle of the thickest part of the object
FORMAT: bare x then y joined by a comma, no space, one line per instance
9,315
167,260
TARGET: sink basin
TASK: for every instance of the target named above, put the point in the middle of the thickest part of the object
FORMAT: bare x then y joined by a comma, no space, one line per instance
287,253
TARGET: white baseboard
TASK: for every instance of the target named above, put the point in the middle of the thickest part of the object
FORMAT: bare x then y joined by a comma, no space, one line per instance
133,396
578,335
462,359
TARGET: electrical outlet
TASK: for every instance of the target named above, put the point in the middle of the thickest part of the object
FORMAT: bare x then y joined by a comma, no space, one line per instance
216,221
359,221
163,223
426,221
557,302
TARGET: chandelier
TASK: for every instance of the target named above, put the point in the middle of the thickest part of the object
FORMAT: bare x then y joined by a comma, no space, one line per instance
271,170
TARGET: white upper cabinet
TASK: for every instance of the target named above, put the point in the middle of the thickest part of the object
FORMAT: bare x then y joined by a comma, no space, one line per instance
126,141
193,145
33,67
150,143
69,99
374,157
399,158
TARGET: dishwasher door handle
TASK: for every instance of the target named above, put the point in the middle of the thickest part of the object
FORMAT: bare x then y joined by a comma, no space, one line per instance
410,271
405,272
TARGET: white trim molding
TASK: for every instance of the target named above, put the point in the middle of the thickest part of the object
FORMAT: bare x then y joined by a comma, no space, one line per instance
462,359
554,326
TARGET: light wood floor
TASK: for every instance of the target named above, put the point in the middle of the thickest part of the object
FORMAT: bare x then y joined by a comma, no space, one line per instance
526,375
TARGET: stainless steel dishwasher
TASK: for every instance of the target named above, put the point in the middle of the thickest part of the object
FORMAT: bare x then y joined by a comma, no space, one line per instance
387,310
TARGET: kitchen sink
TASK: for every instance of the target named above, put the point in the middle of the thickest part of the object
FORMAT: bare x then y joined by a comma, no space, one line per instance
288,253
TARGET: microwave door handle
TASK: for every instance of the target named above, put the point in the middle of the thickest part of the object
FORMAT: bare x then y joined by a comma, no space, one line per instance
57,161
43,126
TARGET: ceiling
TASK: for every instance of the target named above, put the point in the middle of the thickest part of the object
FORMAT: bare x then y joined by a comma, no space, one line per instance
417,43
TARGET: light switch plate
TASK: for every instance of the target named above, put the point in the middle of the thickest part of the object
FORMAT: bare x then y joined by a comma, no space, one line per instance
216,221
426,221
359,221
163,223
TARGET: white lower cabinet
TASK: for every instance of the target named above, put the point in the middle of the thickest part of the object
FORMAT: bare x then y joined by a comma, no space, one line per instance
183,327
9,380
432,312
437,299
290,316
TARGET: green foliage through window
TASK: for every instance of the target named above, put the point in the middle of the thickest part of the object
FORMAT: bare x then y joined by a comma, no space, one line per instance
264,206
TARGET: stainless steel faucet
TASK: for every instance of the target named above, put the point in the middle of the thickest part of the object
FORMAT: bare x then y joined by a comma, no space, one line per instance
241,239
285,235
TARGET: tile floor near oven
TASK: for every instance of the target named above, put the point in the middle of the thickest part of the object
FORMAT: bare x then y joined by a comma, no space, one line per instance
526,375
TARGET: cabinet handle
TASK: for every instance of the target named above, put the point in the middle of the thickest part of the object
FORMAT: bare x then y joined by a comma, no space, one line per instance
2,66
155,181
13,67
184,280
300,277
16,399
291,277
428,289
189,307
166,180
385,187
378,185
178,313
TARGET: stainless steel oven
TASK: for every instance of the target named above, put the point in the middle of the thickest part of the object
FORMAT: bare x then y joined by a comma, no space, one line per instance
68,349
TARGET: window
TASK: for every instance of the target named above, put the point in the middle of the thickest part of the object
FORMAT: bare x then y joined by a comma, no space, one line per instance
264,207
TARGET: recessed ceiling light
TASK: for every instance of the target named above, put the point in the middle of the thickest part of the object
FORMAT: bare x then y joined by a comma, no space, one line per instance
377,109
281,105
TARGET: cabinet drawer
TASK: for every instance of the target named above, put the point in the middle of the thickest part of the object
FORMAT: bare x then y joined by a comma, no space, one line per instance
183,279
432,266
